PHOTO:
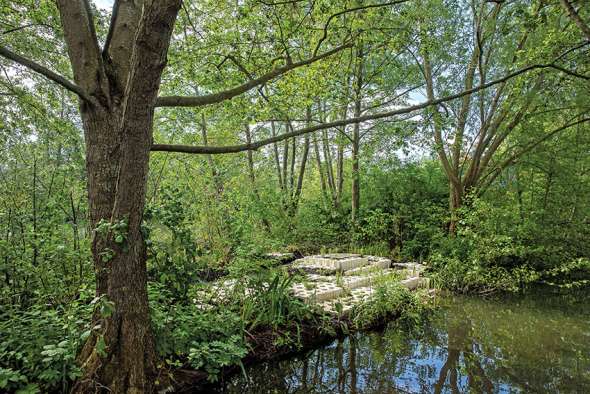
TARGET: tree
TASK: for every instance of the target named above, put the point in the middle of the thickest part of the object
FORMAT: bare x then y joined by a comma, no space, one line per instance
470,136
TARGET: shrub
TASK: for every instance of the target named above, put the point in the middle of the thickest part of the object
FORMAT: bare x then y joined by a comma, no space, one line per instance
38,346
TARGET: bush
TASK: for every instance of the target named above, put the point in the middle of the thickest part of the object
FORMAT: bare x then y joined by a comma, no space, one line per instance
207,339
470,276
390,299
38,346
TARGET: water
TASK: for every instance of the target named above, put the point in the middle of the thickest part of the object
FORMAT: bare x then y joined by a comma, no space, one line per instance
536,343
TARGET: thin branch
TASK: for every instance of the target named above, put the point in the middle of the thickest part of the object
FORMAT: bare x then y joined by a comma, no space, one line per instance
513,158
576,18
325,33
15,29
5,52
196,101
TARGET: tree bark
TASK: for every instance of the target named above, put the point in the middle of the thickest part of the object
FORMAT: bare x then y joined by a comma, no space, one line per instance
120,355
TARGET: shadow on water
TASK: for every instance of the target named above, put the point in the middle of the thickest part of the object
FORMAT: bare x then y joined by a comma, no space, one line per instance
539,342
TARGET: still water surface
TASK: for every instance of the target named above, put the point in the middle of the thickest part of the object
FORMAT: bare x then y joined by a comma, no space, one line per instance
537,343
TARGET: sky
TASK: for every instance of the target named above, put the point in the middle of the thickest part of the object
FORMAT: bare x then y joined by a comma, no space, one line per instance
104,4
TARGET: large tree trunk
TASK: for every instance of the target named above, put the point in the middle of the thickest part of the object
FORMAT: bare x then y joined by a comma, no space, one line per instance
119,356
116,190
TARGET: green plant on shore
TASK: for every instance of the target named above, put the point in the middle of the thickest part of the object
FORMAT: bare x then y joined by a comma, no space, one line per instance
206,339
389,299
265,300
38,346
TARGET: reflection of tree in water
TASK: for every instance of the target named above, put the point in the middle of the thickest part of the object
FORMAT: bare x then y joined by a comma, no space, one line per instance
461,343
472,345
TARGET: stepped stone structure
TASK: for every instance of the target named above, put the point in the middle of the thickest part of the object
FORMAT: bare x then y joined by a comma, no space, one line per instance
349,279
334,282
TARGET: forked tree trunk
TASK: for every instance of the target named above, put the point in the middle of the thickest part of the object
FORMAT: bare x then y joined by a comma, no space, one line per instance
119,356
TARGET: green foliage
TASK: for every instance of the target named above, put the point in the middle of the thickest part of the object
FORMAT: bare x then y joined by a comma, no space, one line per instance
211,336
405,208
212,355
209,213
496,249
470,276
390,299
175,254
38,346
202,338
264,299
569,275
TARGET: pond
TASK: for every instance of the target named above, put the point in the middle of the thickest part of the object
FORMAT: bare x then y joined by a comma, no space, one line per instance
539,342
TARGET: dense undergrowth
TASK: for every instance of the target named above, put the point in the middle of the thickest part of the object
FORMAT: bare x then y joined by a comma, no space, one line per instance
38,346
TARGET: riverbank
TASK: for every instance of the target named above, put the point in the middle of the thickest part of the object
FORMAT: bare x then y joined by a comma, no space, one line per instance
347,293
264,348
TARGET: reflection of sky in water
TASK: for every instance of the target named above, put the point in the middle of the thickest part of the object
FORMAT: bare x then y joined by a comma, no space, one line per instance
531,344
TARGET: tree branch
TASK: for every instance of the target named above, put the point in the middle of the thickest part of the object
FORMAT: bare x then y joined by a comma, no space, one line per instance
513,158
196,101
62,81
82,44
576,18
255,145
364,7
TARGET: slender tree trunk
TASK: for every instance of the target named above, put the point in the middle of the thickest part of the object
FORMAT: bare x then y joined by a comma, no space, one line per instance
292,168
35,247
358,85
250,156
341,143
276,155
252,175
285,160
355,175
455,201
320,169
219,187
339,172
302,166
329,164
